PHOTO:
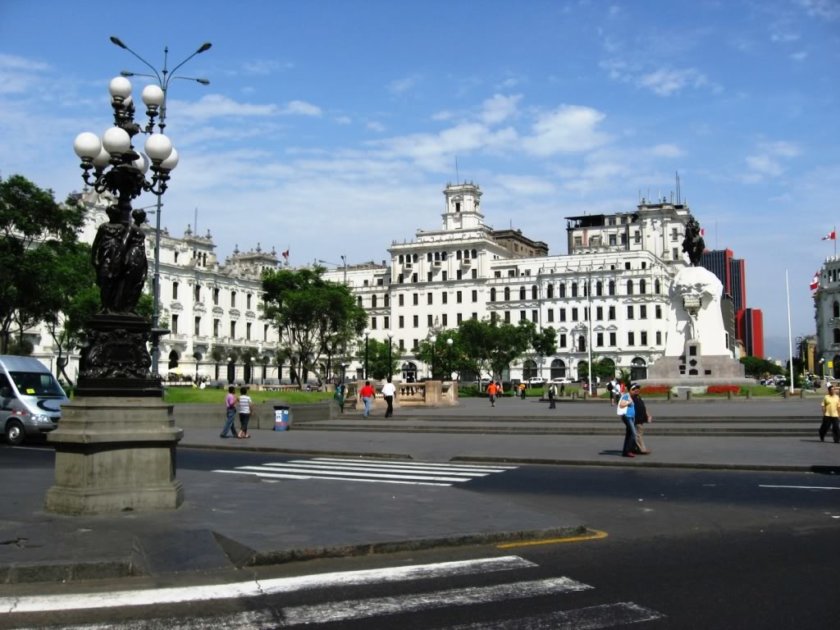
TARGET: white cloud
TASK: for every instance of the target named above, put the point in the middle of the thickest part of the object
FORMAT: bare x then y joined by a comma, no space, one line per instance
666,150
262,67
301,108
375,126
520,185
826,9
499,108
668,81
567,129
401,86
19,74
768,160
799,56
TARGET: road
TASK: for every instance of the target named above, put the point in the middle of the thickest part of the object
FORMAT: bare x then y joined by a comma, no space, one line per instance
683,549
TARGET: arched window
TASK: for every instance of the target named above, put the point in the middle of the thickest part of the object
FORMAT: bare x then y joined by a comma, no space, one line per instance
836,311
837,335
657,286
529,369
574,289
629,287
562,290
611,287
549,291
638,369
534,292
642,287
387,300
521,293
493,294
558,369
507,294
373,301
581,343
599,288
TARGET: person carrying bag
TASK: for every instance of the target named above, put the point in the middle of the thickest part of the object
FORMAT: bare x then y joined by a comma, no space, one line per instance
627,411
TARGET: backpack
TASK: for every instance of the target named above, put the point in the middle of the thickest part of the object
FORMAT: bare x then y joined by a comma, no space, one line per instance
609,386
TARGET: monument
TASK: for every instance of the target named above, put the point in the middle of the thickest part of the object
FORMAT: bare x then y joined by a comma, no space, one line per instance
696,350
115,444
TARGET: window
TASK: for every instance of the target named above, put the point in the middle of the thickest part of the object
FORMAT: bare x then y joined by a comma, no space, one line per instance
401,321
430,298
562,290
549,291
658,309
507,294
429,320
444,297
657,286
574,289
562,314
458,297
611,287
475,295
248,331
416,321
631,338
197,293
561,343
233,330
414,277
215,297
643,337
474,274
535,316
550,315
459,318
415,298
599,340
599,313
493,294
613,240
402,344
248,297
216,324
373,323
612,339
507,317
642,287
643,311
658,338
174,324
232,300
197,327
386,322
629,287
175,291
629,311
401,300
599,288
574,314
521,293
443,276
534,293
523,316
387,300
444,320
373,301
458,274
611,312
265,332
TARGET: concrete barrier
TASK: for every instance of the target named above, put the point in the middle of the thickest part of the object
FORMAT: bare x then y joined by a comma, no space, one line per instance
205,416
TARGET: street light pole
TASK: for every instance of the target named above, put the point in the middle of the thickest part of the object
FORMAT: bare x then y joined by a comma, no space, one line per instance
156,95
390,363
449,343
366,356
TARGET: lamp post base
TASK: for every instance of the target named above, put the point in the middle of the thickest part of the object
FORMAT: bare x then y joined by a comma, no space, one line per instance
114,455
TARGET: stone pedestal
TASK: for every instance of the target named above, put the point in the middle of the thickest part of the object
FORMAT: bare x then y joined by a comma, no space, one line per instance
115,454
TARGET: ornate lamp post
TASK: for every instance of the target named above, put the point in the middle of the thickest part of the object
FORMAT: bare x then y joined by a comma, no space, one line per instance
116,446
154,96
433,340
366,356
449,343
390,361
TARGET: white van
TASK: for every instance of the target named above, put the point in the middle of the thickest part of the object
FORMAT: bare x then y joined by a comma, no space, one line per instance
30,398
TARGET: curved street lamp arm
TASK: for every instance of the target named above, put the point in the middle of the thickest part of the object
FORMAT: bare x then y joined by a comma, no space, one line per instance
117,42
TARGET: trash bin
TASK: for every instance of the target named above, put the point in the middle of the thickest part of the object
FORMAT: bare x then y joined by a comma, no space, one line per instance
282,418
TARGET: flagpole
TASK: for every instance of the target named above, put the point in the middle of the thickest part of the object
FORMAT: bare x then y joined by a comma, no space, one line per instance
790,334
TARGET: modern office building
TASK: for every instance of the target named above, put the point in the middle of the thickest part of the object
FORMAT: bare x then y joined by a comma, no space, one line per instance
749,323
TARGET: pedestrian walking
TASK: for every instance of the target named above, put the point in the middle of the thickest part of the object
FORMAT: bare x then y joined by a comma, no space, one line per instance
388,392
522,390
338,396
244,404
492,391
552,394
230,413
641,418
367,395
830,412
627,412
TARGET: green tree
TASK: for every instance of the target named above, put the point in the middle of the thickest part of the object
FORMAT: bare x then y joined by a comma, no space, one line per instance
314,317
377,358
485,346
756,367
544,343
31,220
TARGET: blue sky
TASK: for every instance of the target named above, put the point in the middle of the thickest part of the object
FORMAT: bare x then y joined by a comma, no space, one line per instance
331,127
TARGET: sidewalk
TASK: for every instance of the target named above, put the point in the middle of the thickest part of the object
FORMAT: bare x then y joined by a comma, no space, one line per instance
231,522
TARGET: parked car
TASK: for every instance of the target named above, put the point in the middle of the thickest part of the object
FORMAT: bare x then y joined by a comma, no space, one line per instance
561,380
30,398
535,381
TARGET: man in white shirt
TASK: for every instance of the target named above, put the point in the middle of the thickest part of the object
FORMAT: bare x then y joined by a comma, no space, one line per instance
388,391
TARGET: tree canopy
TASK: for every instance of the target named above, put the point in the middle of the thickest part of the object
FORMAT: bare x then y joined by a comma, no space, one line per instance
42,265
314,317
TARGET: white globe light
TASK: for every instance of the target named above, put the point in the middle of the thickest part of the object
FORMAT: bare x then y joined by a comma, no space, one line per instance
171,162
87,145
141,163
116,141
158,147
153,96
120,87
103,159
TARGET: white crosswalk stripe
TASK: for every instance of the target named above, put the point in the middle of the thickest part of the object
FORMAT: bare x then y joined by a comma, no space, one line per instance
565,617
370,471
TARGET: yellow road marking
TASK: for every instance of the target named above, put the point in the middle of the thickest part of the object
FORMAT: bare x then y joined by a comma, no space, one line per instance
592,534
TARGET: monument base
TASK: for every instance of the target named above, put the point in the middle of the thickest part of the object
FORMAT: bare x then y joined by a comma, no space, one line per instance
113,455
692,368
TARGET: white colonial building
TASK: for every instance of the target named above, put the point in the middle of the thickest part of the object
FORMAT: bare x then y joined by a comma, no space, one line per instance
607,298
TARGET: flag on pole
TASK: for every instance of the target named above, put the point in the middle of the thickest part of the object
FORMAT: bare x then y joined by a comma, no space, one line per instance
831,236
702,231
285,254
815,283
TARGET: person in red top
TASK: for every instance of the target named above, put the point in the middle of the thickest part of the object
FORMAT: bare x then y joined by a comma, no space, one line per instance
367,394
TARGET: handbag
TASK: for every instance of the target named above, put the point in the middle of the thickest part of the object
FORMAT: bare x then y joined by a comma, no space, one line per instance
620,411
